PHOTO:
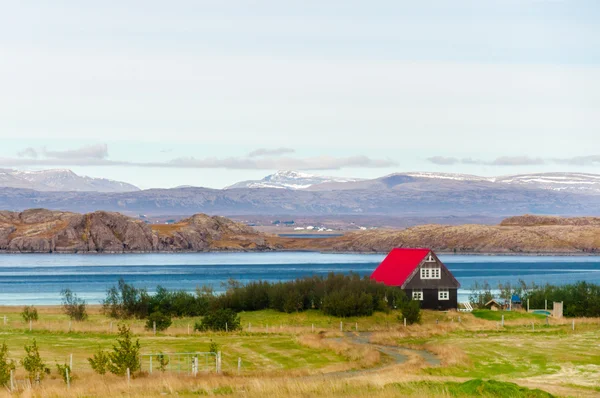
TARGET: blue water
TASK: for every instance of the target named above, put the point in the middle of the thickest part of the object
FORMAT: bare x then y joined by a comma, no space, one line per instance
39,278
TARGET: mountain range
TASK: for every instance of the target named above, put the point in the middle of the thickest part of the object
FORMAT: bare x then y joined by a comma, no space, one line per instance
395,195
60,180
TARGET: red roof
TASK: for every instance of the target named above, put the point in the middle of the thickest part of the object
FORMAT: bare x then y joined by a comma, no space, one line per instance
398,265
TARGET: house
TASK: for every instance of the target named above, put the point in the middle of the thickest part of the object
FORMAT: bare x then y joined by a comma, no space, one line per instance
421,275
495,305
515,302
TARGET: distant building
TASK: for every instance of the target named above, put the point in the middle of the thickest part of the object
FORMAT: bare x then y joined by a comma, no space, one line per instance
495,305
421,275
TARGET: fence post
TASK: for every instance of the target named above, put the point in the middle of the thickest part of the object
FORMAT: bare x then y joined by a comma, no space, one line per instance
341,326
128,377
219,362
239,365
110,331
573,326
527,305
356,326
150,369
313,327
71,361
4,319
545,305
226,327
70,326
249,326
154,327
195,366
30,325
12,380
68,378
459,319
188,328
533,326
404,322
502,321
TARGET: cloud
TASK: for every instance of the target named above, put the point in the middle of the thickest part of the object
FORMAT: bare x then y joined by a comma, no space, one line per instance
28,153
442,160
260,159
286,163
96,151
501,161
591,160
517,161
270,152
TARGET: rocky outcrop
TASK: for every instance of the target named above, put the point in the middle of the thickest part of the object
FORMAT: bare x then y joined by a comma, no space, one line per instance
43,231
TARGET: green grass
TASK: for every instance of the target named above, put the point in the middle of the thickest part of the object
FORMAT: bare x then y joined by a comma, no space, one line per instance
471,388
508,315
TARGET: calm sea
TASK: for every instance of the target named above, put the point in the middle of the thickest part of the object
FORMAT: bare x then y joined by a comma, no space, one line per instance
39,278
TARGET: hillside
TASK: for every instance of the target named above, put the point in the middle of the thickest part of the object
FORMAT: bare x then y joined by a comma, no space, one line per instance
526,234
43,231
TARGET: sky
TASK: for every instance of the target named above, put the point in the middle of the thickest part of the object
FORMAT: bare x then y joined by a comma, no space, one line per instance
208,93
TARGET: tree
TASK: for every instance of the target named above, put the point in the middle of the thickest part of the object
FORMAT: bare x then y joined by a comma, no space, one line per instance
6,365
29,313
62,371
412,311
99,362
163,362
33,363
162,321
219,320
73,306
126,354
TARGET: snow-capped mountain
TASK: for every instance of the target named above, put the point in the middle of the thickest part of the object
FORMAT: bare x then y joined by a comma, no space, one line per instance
572,182
569,182
290,180
60,180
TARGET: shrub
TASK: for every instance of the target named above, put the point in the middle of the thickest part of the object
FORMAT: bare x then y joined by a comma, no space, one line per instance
6,365
163,362
99,362
62,371
219,320
125,301
33,363
213,347
73,306
412,312
162,321
29,313
347,303
126,354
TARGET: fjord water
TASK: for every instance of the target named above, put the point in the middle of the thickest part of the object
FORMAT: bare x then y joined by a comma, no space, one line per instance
39,278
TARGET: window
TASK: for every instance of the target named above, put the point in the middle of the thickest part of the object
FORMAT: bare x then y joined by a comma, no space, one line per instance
430,259
417,295
430,273
443,294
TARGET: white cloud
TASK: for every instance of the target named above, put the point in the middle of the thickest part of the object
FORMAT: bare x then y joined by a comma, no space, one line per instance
270,152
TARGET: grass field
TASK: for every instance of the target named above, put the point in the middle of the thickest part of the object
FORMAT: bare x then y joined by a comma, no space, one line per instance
306,354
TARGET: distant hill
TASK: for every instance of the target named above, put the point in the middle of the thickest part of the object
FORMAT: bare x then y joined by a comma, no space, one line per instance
60,180
43,231
290,180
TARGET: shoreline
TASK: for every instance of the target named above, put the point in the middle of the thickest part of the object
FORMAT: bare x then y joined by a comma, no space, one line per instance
441,252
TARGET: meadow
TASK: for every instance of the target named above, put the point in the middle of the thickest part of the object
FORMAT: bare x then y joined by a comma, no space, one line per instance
312,354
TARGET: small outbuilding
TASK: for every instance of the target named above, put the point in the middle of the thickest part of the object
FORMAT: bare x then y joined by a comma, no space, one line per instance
421,274
495,305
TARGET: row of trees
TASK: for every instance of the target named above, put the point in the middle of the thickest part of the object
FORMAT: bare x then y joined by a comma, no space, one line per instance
337,295
581,299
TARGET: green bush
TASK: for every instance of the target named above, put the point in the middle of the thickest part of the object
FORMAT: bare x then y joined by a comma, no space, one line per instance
99,362
73,306
347,303
163,362
219,320
29,313
33,363
6,365
162,321
412,311
62,371
126,354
